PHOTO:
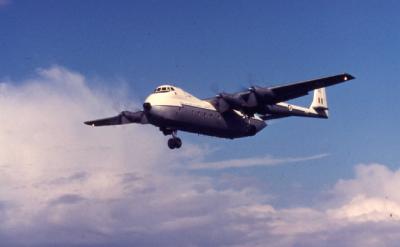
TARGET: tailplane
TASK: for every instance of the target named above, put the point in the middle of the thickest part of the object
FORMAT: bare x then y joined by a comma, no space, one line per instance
317,109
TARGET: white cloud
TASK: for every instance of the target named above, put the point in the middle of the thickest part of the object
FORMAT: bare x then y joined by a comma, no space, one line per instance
63,183
254,161
60,177
371,196
364,209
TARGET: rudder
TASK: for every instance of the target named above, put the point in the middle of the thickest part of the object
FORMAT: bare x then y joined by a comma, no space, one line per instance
320,102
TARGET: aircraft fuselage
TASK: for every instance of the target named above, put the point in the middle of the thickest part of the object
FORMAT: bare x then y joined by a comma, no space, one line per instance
179,110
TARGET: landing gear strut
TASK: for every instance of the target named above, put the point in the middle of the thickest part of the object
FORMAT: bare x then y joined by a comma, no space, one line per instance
174,142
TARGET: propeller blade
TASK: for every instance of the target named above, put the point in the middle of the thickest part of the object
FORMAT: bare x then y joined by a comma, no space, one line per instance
221,105
252,100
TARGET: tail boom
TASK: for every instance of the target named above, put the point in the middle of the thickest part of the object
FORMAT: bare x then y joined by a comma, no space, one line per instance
317,109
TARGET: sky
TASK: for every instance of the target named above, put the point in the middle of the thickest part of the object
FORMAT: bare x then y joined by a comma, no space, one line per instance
302,182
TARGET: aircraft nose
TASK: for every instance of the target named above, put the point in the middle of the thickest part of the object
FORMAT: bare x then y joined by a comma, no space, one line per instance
147,106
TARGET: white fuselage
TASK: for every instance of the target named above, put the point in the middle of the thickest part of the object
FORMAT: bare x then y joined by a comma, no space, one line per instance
172,108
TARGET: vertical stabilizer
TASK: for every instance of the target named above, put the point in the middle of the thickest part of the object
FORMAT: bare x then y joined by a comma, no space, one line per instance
320,102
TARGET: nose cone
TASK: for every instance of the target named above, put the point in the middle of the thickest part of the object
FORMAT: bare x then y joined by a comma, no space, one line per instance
146,106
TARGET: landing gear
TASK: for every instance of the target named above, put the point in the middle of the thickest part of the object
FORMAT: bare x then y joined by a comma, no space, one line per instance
175,141
167,131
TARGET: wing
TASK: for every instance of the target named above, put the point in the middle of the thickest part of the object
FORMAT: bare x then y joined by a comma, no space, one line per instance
256,98
125,117
295,90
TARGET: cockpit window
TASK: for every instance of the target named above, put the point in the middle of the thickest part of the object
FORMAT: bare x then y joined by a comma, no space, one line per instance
163,89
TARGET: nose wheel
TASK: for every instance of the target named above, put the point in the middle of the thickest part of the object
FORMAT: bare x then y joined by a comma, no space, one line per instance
174,142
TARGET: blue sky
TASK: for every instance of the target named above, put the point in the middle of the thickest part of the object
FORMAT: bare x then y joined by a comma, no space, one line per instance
210,46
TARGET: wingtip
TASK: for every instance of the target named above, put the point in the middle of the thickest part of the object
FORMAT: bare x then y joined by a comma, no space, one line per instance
89,123
348,77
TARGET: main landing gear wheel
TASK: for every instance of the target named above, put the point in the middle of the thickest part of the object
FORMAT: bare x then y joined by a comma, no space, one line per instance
174,142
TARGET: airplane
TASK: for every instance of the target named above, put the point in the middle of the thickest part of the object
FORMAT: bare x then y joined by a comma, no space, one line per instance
227,115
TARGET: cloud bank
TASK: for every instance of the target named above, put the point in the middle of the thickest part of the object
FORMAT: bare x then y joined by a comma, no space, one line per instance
66,184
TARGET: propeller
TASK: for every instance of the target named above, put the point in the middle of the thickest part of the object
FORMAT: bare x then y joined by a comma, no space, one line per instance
221,104
234,100
249,101
262,93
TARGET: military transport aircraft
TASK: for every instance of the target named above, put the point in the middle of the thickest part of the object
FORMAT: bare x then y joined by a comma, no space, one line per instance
226,115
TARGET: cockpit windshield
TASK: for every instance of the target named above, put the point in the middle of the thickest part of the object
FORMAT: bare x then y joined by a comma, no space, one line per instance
164,89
